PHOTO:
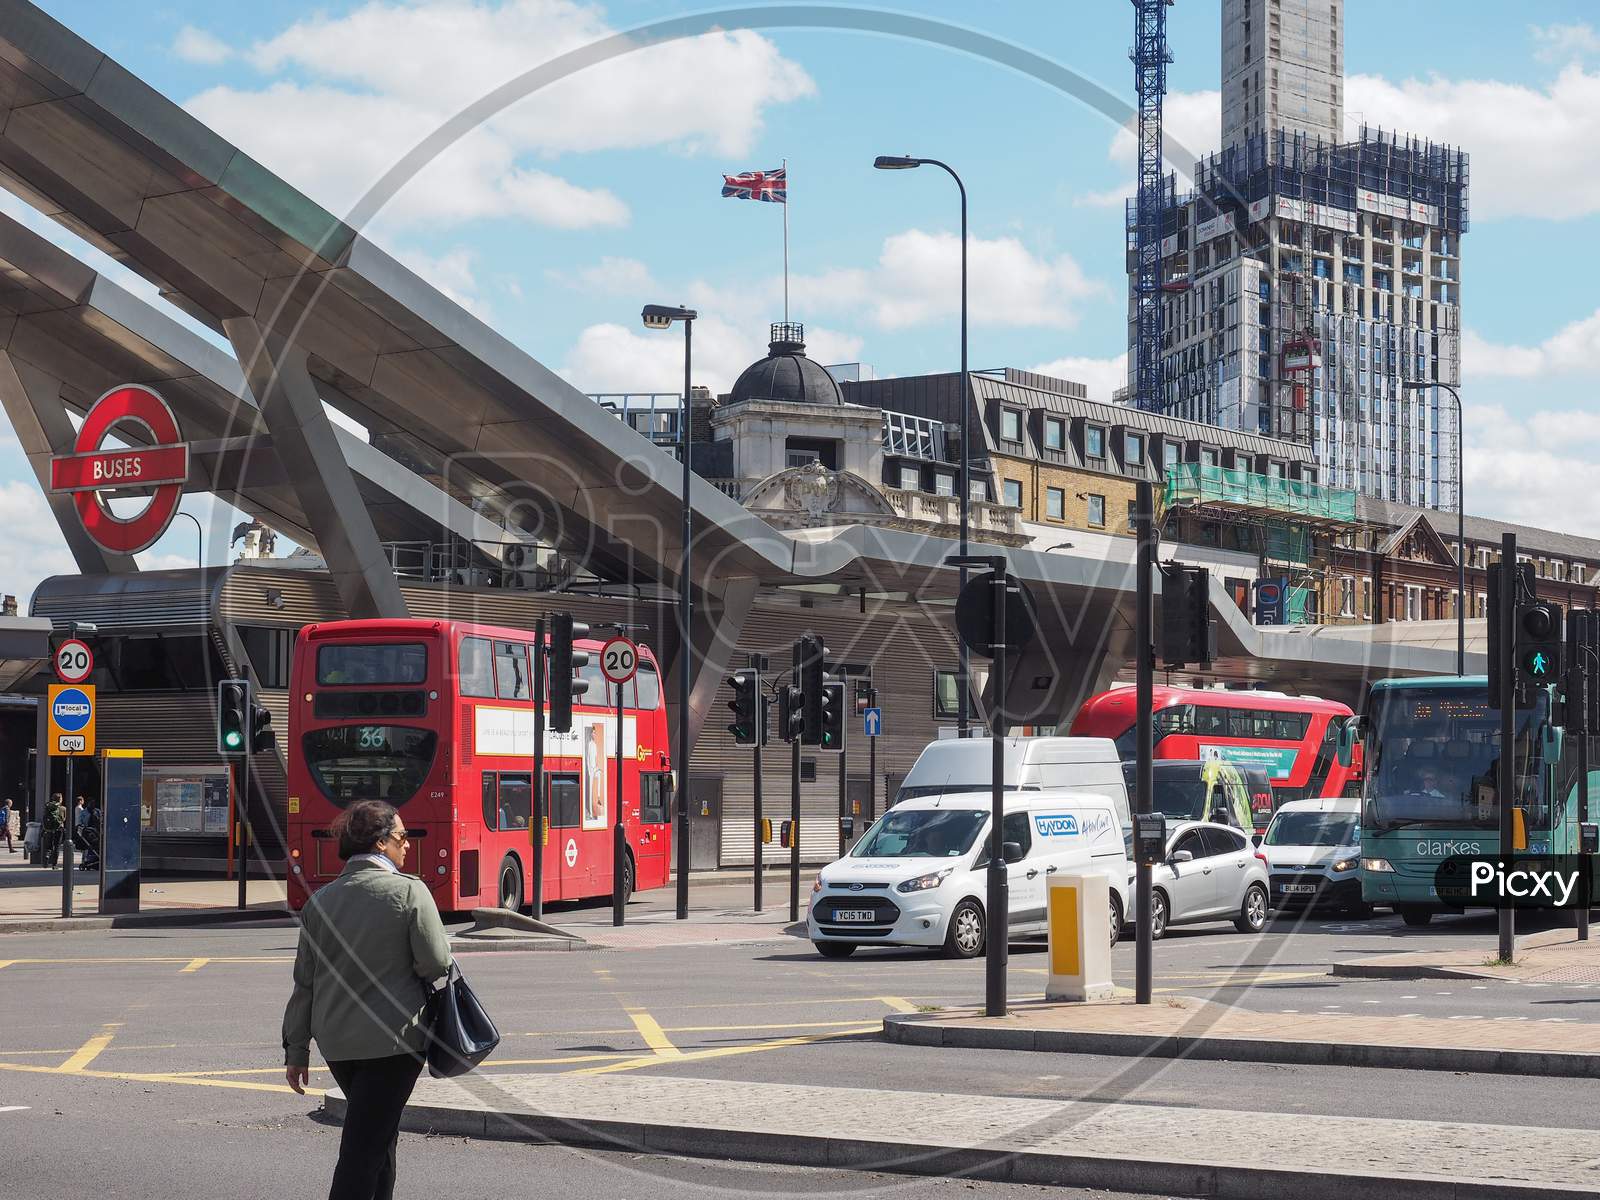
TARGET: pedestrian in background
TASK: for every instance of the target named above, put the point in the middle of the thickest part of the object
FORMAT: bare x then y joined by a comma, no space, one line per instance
371,945
5,822
53,828
80,814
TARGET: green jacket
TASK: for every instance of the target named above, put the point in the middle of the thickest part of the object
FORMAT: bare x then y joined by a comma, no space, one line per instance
55,818
368,941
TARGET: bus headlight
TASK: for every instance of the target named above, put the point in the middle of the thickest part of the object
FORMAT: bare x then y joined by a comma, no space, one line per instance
1348,864
1382,865
923,883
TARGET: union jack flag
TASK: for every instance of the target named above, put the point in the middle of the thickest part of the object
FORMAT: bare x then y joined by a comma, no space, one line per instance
771,186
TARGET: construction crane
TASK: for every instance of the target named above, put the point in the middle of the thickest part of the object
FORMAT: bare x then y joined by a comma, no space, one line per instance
1150,57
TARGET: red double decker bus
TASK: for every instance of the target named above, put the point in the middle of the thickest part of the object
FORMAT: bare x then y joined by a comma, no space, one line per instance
436,717
1294,739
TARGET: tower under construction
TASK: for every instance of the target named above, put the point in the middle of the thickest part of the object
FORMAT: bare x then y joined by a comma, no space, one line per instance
1306,277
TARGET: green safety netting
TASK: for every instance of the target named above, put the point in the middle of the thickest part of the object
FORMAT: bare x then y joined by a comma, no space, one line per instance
1196,483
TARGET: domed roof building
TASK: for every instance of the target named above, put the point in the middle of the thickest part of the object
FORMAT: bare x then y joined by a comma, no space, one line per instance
786,375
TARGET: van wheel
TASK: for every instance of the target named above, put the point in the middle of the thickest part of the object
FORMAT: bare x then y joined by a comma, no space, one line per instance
510,885
1158,914
965,939
1252,916
1415,917
835,949
1116,919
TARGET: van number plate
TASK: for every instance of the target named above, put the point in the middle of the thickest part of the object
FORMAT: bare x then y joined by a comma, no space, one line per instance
1298,889
861,915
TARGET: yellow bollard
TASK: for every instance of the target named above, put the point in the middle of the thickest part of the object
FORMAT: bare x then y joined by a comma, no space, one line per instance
1077,909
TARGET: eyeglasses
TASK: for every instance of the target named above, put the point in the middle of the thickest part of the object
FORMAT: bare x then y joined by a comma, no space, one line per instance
398,837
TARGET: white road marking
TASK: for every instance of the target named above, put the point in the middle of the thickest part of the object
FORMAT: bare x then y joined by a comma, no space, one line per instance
14,1108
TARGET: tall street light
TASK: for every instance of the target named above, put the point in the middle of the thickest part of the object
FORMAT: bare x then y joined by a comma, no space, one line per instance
891,162
661,316
1461,522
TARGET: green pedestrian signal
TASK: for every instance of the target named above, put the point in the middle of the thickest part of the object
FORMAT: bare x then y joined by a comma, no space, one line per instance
1539,664
1539,643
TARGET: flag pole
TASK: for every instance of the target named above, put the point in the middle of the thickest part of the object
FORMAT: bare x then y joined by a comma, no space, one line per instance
786,241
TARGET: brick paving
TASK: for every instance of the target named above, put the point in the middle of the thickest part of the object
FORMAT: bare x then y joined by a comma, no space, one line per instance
928,1131
1553,956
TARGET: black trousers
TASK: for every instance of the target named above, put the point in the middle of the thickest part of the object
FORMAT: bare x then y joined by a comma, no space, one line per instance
376,1091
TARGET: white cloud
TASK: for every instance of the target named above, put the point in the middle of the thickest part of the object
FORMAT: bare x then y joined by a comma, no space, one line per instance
1102,376
611,276
1573,349
616,358
454,273
31,544
197,46
1114,197
370,84
1191,127
1536,469
1561,43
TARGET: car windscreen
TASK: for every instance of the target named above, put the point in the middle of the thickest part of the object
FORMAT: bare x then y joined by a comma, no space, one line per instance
1312,829
922,833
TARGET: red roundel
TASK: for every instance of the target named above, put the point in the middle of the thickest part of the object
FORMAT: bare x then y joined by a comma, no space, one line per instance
88,471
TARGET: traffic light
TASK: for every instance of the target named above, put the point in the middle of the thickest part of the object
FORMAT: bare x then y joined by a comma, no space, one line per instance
791,721
832,717
746,723
233,716
813,680
766,830
1526,589
1583,661
787,834
866,697
1539,643
564,660
262,736
1188,637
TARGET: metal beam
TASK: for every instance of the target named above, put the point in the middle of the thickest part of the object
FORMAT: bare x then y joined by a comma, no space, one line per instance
311,455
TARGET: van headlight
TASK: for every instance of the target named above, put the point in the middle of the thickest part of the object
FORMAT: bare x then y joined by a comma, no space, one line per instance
817,886
1382,865
924,883
1347,864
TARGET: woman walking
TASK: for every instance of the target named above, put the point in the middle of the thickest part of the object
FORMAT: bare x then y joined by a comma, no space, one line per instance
371,943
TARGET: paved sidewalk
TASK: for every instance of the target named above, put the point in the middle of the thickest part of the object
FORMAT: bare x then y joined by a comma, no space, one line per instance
1183,1027
30,901
1551,956
1124,1147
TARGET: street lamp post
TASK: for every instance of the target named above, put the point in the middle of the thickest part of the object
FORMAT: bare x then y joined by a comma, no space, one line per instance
1461,522
200,539
660,316
891,162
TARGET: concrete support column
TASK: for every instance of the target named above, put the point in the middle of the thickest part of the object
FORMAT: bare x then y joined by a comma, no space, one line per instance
315,463
33,402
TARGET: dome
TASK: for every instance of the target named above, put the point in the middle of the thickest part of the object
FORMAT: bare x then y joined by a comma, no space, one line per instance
786,375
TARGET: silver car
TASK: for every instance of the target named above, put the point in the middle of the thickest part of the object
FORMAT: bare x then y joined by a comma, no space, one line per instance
1211,873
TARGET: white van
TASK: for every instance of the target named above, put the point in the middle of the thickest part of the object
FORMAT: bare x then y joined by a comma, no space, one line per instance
1074,764
918,876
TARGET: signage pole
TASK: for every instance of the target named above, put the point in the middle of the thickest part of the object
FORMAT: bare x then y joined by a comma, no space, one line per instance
994,973
1583,810
761,737
794,829
536,824
1144,691
872,769
242,807
1508,724
619,835
844,784
67,826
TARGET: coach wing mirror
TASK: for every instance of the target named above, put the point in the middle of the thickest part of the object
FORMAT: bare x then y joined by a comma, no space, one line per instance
1350,732
1011,851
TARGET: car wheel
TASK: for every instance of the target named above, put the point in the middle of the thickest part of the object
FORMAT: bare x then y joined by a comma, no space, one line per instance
1416,917
510,885
1116,919
1158,914
835,949
965,938
1252,916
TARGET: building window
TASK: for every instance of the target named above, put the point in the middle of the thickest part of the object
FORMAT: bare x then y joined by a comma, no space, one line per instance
1133,508
801,458
1413,603
910,478
1274,470
1094,441
1010,425
944,485
977,489
1055,433
1097,510
1171,454
1347,596
1208,456
1133,449
946,696
1055,503
1013,492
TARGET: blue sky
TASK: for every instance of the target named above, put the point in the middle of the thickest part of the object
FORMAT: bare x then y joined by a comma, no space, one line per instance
573,208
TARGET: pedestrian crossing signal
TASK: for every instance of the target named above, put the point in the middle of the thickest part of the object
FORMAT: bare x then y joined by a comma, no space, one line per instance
1540,641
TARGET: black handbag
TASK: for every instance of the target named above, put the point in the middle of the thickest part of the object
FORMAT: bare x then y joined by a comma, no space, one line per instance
458,1031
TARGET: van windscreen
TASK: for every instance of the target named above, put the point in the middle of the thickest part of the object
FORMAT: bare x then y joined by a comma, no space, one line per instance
922,833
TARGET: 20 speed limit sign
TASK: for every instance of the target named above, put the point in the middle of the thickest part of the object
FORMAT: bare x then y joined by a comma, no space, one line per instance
74,662
619,660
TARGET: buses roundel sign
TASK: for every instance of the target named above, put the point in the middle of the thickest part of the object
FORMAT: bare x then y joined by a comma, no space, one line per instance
89,473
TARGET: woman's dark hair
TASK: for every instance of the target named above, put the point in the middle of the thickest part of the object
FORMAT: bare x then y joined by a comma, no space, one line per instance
362,826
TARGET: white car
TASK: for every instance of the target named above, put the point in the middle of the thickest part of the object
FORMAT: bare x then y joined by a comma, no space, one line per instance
1211,873
1313,850
918,876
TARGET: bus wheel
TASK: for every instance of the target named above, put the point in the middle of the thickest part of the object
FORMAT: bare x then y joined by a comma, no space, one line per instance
510,885
1416,917
627,878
